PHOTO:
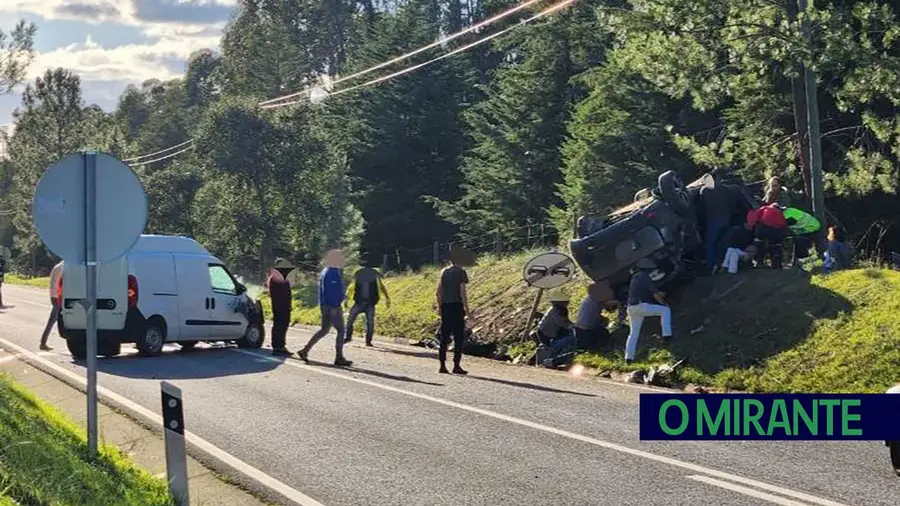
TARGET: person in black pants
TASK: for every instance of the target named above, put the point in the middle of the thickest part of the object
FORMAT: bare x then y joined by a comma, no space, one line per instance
280,292
453,303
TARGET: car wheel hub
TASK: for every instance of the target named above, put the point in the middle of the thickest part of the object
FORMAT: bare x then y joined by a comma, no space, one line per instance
153,338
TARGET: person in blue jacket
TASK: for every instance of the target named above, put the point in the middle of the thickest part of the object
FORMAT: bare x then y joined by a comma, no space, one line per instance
331,299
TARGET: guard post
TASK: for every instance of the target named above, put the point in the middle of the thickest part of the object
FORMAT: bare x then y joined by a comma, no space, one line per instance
176,456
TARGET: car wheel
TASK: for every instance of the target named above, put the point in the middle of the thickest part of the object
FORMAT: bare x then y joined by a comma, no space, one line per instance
187,345
78,348
674,193
109,348
150,342
254,336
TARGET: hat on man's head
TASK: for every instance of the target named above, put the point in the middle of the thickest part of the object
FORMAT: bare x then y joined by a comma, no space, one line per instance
281,263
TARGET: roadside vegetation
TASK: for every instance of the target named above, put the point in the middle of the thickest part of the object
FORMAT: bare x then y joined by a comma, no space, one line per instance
761,330
44,461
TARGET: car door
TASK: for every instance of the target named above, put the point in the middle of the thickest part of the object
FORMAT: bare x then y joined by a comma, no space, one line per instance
194,294
226,321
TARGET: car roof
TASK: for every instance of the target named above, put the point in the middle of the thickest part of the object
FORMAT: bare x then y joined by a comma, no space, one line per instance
168,244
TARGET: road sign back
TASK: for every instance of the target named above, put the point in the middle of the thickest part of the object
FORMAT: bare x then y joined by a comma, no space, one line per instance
58,208
549,270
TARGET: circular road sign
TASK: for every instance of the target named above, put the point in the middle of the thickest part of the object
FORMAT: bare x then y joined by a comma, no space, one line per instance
59,213
549,270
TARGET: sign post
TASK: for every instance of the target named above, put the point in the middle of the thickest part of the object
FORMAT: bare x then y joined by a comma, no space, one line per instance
545,272
176,457
89,209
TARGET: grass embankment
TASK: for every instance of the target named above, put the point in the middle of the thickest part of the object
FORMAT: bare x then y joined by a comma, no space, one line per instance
44,461
15,279
760,330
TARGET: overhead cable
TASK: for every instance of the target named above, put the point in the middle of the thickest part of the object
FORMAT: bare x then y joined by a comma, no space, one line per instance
161,151
410,54
170,155
461,49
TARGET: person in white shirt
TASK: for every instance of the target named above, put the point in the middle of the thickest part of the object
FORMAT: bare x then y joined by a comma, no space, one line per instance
55,304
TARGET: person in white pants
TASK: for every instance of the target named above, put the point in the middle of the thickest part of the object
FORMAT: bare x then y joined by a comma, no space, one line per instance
733,257
645,299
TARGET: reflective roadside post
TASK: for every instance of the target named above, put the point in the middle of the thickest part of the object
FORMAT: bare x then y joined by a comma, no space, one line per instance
89,209
176,456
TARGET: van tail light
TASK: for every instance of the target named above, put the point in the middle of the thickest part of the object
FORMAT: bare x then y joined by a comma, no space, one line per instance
59,292
132,291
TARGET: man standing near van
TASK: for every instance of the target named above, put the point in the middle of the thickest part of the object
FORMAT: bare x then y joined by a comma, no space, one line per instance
366,288
55,304
331,297
280,292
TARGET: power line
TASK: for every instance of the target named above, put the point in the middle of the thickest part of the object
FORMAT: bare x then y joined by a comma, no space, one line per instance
160,151
410,54
478,42
170,155
268,104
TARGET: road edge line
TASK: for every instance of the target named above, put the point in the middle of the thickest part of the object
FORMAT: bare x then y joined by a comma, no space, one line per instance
696,468
244,474
749,492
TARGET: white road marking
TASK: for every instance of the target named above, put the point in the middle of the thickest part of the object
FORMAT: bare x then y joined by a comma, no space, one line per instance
251,472
559,432
746,491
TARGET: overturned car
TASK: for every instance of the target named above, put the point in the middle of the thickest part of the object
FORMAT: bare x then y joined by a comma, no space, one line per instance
664,224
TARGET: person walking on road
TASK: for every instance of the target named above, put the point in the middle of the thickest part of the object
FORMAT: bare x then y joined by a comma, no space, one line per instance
453,304
331,298
282,301
367,286
645,299
55,304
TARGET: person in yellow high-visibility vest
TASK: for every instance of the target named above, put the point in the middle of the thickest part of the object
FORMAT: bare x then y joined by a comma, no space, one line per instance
803,227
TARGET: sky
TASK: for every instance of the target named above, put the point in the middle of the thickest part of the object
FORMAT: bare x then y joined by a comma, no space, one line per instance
114,43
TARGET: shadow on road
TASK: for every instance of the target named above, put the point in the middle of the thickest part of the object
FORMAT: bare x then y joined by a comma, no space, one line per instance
408,353
201,363
376,374
529,386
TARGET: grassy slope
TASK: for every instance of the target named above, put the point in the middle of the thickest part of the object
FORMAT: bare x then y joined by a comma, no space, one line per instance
43,460
779,331
14,279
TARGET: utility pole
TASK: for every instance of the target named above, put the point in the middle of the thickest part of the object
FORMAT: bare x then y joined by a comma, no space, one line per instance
815,136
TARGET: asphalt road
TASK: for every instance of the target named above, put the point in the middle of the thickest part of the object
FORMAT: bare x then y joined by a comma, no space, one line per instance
391,431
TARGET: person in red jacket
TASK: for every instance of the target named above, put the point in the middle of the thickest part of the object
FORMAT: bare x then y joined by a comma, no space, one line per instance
770,229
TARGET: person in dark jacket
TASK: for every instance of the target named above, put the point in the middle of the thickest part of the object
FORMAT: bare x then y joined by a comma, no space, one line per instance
645,299
555,328
453,304
331,298
280,293
367,286
738,243
838,254
717,203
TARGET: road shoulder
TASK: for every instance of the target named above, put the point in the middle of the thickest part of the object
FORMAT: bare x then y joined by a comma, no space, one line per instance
143,446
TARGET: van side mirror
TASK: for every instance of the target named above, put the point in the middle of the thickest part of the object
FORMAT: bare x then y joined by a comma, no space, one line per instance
241,289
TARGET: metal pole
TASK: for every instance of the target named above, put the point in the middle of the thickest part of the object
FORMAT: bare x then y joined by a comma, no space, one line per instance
815,137
534,308
436,254
90,255
176,456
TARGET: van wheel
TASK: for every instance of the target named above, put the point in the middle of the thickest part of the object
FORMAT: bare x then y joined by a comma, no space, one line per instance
109,349
77,348
674,193
150,343
254,336
187,345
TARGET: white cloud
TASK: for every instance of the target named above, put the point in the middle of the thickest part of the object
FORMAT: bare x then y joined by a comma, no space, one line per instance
133,63
128,12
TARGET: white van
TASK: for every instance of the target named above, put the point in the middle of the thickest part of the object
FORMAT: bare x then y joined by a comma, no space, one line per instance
166,289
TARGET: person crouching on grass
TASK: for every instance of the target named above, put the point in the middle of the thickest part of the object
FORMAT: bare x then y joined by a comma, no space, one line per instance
645,299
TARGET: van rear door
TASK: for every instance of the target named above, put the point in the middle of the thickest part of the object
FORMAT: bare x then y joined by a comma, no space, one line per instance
112,295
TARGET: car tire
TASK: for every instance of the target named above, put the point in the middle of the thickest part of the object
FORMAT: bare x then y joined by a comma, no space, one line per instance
673,193
254,337
151,340
78,348
187,345
109,348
